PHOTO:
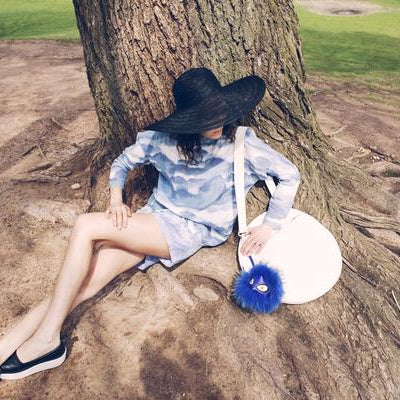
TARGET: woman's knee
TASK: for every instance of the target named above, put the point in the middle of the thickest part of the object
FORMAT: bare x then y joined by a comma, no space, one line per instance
102,243
85,223
81,221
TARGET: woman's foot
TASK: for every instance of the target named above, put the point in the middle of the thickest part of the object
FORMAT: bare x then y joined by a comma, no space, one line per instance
14,368
5,350
35,347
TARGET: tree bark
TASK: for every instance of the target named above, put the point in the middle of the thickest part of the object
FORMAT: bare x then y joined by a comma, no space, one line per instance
344,345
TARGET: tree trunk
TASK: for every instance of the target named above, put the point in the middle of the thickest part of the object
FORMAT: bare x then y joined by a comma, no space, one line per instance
344,345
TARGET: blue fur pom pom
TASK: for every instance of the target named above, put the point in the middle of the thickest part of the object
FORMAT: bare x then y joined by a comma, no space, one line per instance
258,290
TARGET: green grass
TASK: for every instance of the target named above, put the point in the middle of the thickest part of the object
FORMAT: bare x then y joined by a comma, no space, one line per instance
355,47
366,47
38,19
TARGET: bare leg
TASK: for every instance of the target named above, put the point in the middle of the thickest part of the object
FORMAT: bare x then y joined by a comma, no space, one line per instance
142,235
106,263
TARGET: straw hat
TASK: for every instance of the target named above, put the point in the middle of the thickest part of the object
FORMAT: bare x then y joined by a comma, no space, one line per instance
202,103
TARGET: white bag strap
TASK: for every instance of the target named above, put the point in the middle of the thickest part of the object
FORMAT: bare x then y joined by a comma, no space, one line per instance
238,168
238,164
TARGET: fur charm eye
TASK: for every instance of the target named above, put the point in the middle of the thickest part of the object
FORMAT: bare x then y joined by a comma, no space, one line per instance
251,281
262,288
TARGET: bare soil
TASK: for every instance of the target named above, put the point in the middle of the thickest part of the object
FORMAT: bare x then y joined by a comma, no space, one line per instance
342,7
136,341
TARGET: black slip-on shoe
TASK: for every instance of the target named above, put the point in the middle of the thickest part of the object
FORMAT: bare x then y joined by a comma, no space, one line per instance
13,368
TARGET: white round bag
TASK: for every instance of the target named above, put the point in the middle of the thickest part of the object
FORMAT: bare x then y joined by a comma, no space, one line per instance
299,263
304,252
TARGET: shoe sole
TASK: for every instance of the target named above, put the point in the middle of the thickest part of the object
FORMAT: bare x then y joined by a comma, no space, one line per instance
36,368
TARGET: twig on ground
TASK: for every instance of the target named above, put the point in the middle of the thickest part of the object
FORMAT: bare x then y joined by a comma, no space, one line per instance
36,178
28,150
337,131
397,304
347,263
60,125
41,151
40,167
316,92
387,157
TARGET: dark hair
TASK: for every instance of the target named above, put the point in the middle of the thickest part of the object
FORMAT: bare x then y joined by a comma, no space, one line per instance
190,145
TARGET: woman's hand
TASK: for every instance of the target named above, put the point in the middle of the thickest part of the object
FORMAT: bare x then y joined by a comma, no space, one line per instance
256,238
119,213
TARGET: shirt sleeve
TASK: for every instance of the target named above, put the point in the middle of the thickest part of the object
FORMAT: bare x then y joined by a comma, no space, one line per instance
133,156
265,162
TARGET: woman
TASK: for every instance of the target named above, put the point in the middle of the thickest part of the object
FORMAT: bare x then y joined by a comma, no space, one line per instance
192,206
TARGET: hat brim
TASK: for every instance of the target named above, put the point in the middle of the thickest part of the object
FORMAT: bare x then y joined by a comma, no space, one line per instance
195,119
237,98
244,94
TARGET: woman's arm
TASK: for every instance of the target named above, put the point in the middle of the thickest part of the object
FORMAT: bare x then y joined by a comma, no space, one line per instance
133,156
265,162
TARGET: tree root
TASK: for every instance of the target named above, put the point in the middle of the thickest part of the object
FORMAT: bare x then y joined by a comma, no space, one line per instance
370,221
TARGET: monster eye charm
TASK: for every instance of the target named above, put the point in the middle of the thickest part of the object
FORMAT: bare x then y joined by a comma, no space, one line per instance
258,290
260,285
262,288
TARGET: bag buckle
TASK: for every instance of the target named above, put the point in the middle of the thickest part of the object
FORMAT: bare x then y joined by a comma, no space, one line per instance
240,234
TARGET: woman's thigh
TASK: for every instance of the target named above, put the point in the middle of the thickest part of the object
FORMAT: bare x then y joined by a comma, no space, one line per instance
107,263
143,233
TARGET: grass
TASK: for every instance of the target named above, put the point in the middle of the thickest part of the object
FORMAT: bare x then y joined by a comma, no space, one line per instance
356,47
38,19
363,47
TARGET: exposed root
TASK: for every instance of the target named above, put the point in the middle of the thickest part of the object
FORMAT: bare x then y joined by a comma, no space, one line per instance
370,221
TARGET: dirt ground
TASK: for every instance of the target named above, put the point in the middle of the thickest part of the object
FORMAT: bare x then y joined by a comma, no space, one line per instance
137,341
342,7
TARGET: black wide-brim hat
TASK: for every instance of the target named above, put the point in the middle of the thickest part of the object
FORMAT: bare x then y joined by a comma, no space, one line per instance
203,104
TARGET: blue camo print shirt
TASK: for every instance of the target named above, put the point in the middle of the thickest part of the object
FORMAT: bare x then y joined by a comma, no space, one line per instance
205,192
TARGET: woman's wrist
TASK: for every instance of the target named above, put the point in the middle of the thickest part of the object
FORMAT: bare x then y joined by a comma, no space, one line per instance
116,196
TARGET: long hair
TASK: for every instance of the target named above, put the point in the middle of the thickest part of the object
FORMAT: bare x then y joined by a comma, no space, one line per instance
190,145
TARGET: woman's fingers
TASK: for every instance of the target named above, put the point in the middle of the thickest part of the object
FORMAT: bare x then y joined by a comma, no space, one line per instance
257,247
120,218
119,215
124,221
114,217
127,213
250,246
246,246
108,212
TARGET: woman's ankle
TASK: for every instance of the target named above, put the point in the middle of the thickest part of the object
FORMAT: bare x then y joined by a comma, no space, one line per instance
47,337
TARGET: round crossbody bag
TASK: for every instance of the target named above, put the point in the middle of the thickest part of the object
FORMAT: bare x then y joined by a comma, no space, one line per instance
298,264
